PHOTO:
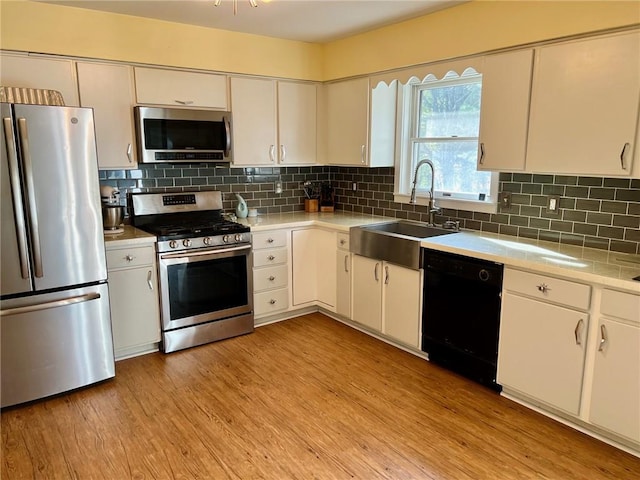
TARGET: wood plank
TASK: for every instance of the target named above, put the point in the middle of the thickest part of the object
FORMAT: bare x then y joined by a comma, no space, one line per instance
305,398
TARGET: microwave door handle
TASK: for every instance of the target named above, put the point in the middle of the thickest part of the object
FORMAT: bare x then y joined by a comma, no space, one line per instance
14,180
227,129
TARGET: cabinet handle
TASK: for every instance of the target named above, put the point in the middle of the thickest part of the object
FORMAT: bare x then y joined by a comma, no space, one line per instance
386,274
482,154
342,241
272,153
603,338
149,275
283,153
184,102
129,258
270,240
576,332
129,150
272,301
375,271
362,159
623,154
346,267
272,278
271,258
544,288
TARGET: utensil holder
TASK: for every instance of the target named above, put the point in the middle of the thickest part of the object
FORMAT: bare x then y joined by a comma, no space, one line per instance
310,205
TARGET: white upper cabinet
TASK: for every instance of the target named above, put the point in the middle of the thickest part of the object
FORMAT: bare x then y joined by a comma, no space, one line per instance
109,90
356,134
156,86
297,113
274,122
584,106
43,73
504,114
253,103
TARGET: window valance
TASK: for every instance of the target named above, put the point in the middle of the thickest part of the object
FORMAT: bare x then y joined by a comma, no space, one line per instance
421,72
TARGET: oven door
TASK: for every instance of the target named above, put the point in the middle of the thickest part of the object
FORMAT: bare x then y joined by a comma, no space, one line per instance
203,286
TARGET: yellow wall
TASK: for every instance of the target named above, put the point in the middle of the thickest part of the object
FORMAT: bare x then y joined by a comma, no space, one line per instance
470,28
465,29
46,28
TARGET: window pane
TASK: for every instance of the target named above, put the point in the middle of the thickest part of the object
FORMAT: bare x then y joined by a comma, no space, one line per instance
455,165
448,111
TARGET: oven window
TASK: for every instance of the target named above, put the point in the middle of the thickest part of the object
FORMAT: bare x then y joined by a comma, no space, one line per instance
203,287
161,134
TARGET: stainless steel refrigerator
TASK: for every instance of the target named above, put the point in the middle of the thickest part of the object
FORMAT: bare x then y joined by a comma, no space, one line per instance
55,326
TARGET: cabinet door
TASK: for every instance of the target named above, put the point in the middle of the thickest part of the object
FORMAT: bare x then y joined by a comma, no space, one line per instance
45,73
314,278
175,88
584,106
296,123
254,121
347,114
402,293
367,292
108,89
343,283
135,312
541,351
615,395
325,271
504,117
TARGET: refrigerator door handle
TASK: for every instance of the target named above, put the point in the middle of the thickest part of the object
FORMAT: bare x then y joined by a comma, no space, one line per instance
31,197
47,305
14,179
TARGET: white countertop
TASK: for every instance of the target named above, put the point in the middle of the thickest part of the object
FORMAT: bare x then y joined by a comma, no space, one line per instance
130,236
577,263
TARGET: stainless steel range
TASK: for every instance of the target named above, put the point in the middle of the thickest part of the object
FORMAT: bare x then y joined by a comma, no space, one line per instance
204,264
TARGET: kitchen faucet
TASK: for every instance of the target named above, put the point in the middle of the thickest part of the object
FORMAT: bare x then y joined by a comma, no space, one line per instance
432,208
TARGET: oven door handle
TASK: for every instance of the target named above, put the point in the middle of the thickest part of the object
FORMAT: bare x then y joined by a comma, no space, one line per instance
205,253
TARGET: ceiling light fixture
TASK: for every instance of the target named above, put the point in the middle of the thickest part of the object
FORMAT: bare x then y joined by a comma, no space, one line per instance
253,3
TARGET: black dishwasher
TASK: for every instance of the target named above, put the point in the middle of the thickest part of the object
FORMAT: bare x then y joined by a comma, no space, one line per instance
461,314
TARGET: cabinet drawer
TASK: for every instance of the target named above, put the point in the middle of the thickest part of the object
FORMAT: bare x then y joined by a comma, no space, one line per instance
270,302
551,289
130,257
621,305
270,277
271,256
276,238
342,240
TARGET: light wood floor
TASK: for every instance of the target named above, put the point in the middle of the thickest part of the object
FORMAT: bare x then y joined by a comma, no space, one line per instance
307,398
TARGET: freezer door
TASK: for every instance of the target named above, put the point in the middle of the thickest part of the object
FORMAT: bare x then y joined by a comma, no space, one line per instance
54,342
15,272
62,195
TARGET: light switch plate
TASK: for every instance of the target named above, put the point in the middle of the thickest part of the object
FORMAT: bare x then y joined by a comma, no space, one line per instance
553,204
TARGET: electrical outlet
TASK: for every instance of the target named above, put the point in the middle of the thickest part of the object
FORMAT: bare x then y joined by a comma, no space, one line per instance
505,199
354,187
553,204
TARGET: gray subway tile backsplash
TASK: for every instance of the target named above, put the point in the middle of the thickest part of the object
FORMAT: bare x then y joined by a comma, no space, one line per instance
595,212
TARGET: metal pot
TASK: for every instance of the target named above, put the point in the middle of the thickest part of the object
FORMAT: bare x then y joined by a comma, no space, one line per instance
112,216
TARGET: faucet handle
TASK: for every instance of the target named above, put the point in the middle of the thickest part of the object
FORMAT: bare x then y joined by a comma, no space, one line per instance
451,225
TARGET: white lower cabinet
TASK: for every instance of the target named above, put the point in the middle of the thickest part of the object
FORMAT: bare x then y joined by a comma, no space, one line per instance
387,298
615,392
542,351
270,272
314,275
133,295
343,276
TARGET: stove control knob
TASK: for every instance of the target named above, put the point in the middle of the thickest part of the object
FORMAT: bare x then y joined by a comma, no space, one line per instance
238,237
173,244
207,240
225,239
186,242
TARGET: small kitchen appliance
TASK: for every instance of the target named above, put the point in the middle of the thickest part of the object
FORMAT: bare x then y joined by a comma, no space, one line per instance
205,267
112,211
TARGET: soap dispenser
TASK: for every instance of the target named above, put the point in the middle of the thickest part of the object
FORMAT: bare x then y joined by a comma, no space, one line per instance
241,208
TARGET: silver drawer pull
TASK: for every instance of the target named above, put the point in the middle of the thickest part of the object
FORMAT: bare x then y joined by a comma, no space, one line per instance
603,338
270,240
342,241
271,257
272,278
272,301
149,276
576,332
129,258
544,288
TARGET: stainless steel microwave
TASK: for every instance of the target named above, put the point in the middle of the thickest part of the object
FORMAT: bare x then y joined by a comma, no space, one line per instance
172,135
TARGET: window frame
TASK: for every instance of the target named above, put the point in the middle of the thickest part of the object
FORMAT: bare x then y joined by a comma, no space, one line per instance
407,121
